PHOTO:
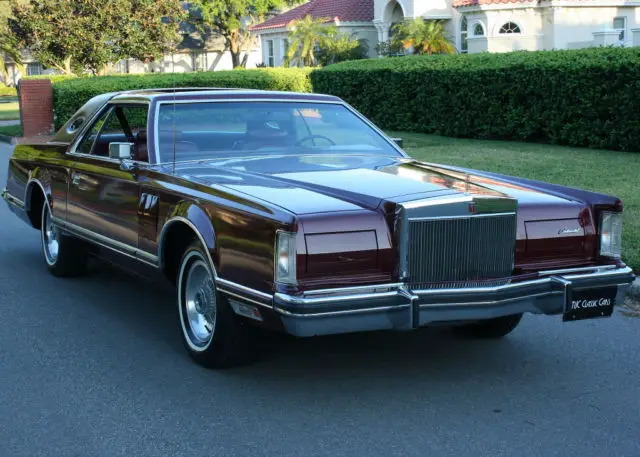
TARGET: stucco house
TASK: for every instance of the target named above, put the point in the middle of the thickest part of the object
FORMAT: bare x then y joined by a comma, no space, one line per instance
472,25
349,16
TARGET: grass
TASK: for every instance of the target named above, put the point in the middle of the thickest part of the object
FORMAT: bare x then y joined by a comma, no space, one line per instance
9,109
608,172
11,130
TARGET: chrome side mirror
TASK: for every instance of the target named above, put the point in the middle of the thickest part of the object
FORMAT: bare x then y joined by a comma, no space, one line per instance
121,151
397,141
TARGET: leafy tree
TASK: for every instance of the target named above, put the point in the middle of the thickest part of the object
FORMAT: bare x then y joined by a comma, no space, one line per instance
340,47
76,35
8,44
232,19
426,37
306,37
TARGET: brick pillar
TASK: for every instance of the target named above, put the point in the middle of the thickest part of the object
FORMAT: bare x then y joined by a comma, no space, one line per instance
36,107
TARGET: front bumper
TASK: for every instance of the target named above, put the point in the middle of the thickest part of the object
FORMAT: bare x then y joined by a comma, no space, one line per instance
394,306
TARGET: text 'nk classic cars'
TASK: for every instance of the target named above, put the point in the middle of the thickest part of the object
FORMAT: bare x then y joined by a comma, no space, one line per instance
293,212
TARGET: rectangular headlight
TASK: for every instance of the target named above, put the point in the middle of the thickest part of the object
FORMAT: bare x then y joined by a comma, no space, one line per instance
610,234
285,261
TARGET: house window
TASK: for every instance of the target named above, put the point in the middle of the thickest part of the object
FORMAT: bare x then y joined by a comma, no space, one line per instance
478,30
620,25
122,66
199,61
271,61
285,48
34,69
464,46
510,27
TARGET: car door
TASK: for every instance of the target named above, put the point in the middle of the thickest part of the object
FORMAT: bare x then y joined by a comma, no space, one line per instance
103,197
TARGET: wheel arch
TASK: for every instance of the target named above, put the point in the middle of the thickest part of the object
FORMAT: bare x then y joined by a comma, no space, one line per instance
186,224
36,193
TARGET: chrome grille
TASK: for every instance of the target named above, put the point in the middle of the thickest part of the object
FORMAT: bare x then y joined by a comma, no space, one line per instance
461,252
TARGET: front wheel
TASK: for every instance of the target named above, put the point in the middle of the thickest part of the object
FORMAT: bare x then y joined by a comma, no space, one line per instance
491,328
65,256
212,334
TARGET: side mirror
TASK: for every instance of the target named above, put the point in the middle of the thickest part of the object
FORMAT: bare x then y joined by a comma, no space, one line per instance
121,151
398,141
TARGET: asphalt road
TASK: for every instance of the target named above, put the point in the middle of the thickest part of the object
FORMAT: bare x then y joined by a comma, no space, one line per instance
95,367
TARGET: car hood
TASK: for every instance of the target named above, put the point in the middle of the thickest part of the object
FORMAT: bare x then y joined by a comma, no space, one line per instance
327,183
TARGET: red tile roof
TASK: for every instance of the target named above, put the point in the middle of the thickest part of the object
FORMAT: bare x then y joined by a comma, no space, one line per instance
459,3
333,10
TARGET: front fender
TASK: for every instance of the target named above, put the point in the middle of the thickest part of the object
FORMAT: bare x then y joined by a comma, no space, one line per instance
190,214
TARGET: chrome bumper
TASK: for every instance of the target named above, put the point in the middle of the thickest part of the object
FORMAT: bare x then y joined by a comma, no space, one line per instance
394,306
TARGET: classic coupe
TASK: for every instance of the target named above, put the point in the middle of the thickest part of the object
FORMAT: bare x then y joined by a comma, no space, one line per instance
293,212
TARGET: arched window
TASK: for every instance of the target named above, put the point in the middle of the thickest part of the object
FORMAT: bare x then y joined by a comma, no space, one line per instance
464,46
510,27
478,30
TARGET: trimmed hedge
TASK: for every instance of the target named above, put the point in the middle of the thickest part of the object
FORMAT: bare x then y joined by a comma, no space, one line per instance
70,95
8,91
588,97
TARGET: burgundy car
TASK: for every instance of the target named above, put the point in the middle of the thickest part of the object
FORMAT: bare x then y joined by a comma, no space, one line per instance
293,212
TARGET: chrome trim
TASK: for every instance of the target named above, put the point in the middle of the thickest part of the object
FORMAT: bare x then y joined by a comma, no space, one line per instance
437,201
108,243
294,300
240,287
243,298
577,270
355,289
271,100
11,200
464,216
284,312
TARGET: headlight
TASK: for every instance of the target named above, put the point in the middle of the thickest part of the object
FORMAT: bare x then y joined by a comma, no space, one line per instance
610,234
285,261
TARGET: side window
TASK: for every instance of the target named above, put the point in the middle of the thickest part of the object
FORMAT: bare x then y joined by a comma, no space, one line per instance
125,124
86,144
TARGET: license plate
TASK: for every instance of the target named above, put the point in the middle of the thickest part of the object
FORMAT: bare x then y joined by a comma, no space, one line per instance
589,304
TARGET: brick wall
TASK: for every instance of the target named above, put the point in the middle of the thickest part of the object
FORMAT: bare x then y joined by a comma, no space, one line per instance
36,107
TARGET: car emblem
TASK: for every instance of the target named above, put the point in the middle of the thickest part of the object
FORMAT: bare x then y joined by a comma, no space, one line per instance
566,231
472,207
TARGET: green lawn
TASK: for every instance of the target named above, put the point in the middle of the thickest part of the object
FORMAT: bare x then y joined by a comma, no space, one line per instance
11,130
609,172
9,111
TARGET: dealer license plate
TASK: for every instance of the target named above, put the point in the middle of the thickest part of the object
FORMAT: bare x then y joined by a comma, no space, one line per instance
590,303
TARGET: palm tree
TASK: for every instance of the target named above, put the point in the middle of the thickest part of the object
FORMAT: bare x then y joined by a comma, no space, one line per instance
426,37
306,35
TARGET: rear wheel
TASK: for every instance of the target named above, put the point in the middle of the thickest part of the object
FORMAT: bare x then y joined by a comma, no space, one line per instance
65,256
212,333
491,328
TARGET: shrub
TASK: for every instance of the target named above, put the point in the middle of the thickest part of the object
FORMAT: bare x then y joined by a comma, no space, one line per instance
54,78
8,91
71,94
580,97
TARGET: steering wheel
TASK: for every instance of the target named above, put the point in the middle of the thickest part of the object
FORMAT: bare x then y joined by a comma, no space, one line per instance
315,137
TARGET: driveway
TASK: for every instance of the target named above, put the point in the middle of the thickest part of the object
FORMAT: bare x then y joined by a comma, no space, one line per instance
95,367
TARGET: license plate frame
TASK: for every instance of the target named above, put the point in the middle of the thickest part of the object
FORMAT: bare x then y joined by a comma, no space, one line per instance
589,303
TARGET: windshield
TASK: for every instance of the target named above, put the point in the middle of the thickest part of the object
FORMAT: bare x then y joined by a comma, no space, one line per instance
193,131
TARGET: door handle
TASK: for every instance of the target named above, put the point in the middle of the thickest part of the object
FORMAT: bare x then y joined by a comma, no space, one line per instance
76,179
